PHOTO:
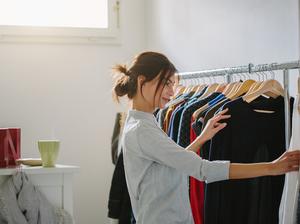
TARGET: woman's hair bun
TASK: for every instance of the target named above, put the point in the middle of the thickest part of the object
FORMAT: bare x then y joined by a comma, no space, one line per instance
121,69
121,87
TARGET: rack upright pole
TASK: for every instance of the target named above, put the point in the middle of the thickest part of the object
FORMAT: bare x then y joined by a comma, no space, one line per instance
287,108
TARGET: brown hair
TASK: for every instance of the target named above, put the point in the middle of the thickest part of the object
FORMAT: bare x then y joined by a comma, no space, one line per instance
148,64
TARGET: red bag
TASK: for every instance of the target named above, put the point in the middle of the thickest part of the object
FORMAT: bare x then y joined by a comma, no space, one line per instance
9,146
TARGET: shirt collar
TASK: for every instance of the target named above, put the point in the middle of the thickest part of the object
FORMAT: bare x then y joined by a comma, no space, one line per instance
141,115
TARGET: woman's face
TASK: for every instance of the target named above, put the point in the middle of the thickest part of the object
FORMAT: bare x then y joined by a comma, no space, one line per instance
163,94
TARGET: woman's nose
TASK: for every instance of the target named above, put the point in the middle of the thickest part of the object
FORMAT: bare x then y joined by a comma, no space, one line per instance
171,91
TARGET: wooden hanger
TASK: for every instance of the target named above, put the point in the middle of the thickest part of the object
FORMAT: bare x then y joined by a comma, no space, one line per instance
179,90
199,89
267,86
194,88
244,88
228,88
221,88
234,89
210,89
256,86
253,87
187,89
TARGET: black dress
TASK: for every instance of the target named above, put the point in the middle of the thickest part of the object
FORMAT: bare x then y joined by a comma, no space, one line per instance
249,137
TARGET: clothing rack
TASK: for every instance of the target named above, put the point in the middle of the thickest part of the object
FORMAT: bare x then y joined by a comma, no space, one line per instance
251,68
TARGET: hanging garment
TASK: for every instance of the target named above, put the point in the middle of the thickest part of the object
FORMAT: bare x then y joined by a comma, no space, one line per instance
196,190
119,206
161,114
202,121
183,138
115,138
213,110
173,110
160,117
157,171
196,186
170,110
168,117
175,120
289,200
249,137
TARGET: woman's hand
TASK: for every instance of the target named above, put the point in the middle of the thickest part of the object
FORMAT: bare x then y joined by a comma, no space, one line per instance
213,125
288,161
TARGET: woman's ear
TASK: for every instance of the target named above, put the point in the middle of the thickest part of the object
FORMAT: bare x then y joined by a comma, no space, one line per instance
141,79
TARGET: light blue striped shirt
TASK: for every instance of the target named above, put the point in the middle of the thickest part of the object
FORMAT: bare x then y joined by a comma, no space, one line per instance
157,171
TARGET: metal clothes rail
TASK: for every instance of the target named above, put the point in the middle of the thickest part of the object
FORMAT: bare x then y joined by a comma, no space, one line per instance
250,68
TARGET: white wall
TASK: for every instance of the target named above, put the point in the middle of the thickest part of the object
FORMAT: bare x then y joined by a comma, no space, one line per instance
63,91
199,34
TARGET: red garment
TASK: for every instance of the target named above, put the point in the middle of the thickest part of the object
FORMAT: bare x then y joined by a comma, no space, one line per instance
196,190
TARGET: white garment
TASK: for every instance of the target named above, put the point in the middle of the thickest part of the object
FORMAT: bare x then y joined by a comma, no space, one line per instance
289,200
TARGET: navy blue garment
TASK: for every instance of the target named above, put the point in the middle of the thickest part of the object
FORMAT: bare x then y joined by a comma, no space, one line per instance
183,138
216,100
200,93
175,117
175,122
211,104
188,102
172,120
249,137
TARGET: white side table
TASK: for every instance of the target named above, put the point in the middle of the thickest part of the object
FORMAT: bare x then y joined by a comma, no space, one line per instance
55,183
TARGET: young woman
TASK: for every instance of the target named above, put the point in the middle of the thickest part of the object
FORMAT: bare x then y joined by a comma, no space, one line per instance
156,168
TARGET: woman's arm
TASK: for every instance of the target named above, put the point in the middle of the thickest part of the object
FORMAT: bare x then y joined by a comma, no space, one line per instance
288,161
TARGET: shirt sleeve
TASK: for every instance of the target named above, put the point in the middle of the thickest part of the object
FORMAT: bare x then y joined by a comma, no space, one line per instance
157,146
